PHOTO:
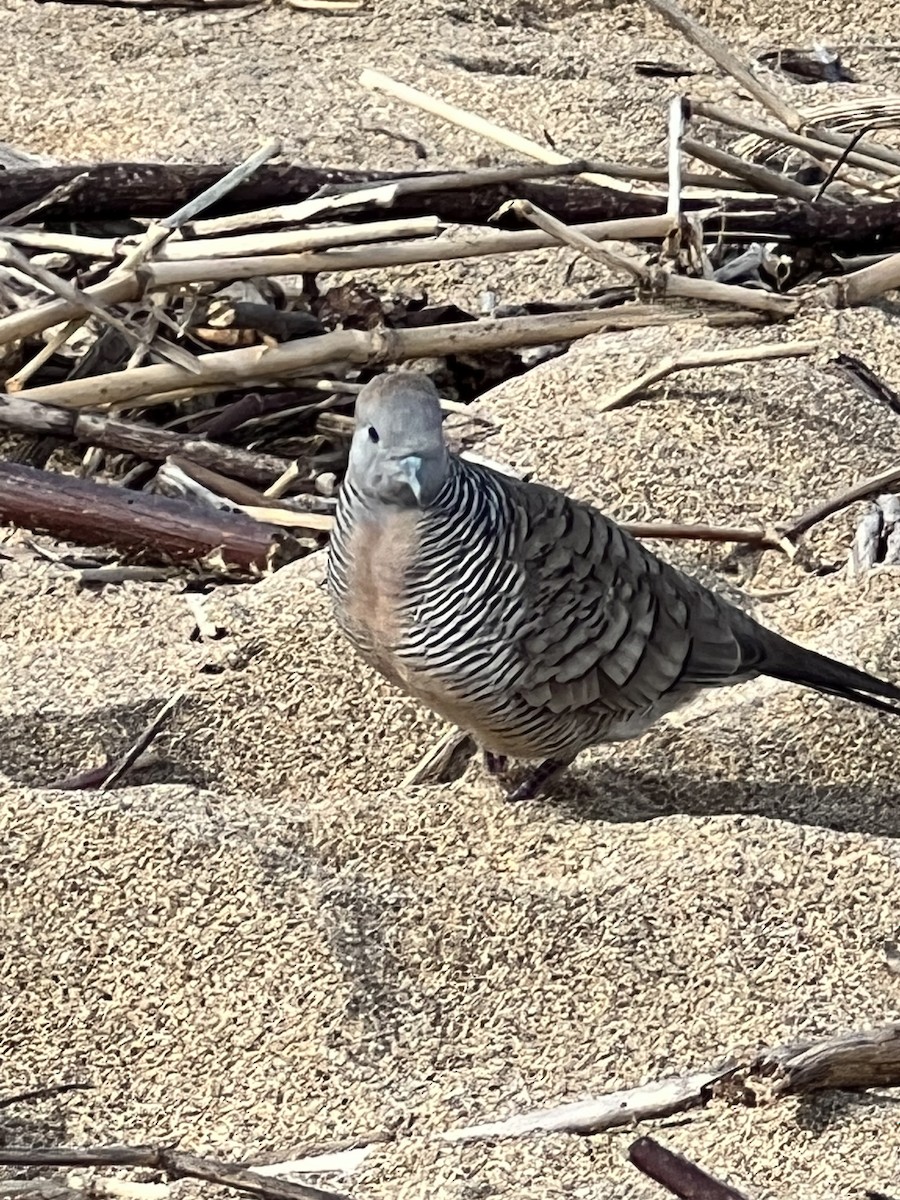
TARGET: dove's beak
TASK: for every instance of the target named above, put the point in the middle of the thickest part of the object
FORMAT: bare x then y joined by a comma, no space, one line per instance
410,469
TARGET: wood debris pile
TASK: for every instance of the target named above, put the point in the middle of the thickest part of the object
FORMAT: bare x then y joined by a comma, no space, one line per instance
172,323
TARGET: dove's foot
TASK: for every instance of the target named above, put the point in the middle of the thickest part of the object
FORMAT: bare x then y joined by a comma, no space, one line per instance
495,764
535,781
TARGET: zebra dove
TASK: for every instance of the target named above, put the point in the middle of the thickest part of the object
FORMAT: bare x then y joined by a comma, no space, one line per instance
525,617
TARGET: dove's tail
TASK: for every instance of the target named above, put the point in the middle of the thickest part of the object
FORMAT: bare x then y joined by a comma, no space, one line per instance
783,659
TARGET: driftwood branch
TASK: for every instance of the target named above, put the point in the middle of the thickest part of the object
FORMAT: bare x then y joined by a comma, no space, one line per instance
655,1100
859,1060
119,190
864,1059
173,1163
138,524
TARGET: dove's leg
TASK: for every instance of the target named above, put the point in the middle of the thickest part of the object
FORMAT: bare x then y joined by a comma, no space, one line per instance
495,764
535,781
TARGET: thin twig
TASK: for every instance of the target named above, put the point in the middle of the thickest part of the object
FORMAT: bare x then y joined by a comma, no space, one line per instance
43,1093
654,280
814,147
860,491
698,359
63,192
380,82
160,230
701,533
174,1163
762,178
141,743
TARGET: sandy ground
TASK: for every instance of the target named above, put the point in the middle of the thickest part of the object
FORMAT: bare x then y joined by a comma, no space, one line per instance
273,943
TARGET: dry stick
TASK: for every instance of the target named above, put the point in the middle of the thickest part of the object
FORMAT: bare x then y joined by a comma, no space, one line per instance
862,286
160,230
174,1163
43,1093
380,194
716,49
860,491
369,347
63,192
166,275
16,382
386,193
814,147
68,293
678,1174
291,242
676,133
140,744
700,533
669,285
379,82
762,178
862,1059
700,358
662,1098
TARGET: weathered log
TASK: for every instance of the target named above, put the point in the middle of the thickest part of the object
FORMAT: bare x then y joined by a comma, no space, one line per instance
144,441
138,525
118,190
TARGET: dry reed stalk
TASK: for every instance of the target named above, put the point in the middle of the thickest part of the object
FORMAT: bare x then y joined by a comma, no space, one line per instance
860,287
161,230
370,347
656,280
161,276
292,242
814,147
379,82
380,194
762,178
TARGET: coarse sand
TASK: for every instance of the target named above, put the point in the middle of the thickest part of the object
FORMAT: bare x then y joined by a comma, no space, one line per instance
271,943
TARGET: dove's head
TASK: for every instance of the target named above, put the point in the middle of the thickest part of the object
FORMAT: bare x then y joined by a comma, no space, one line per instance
398,455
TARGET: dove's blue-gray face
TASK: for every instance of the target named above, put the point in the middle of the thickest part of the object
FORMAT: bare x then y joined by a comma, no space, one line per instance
398,455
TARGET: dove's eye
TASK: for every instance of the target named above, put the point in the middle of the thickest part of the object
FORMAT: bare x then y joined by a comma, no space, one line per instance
373,434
